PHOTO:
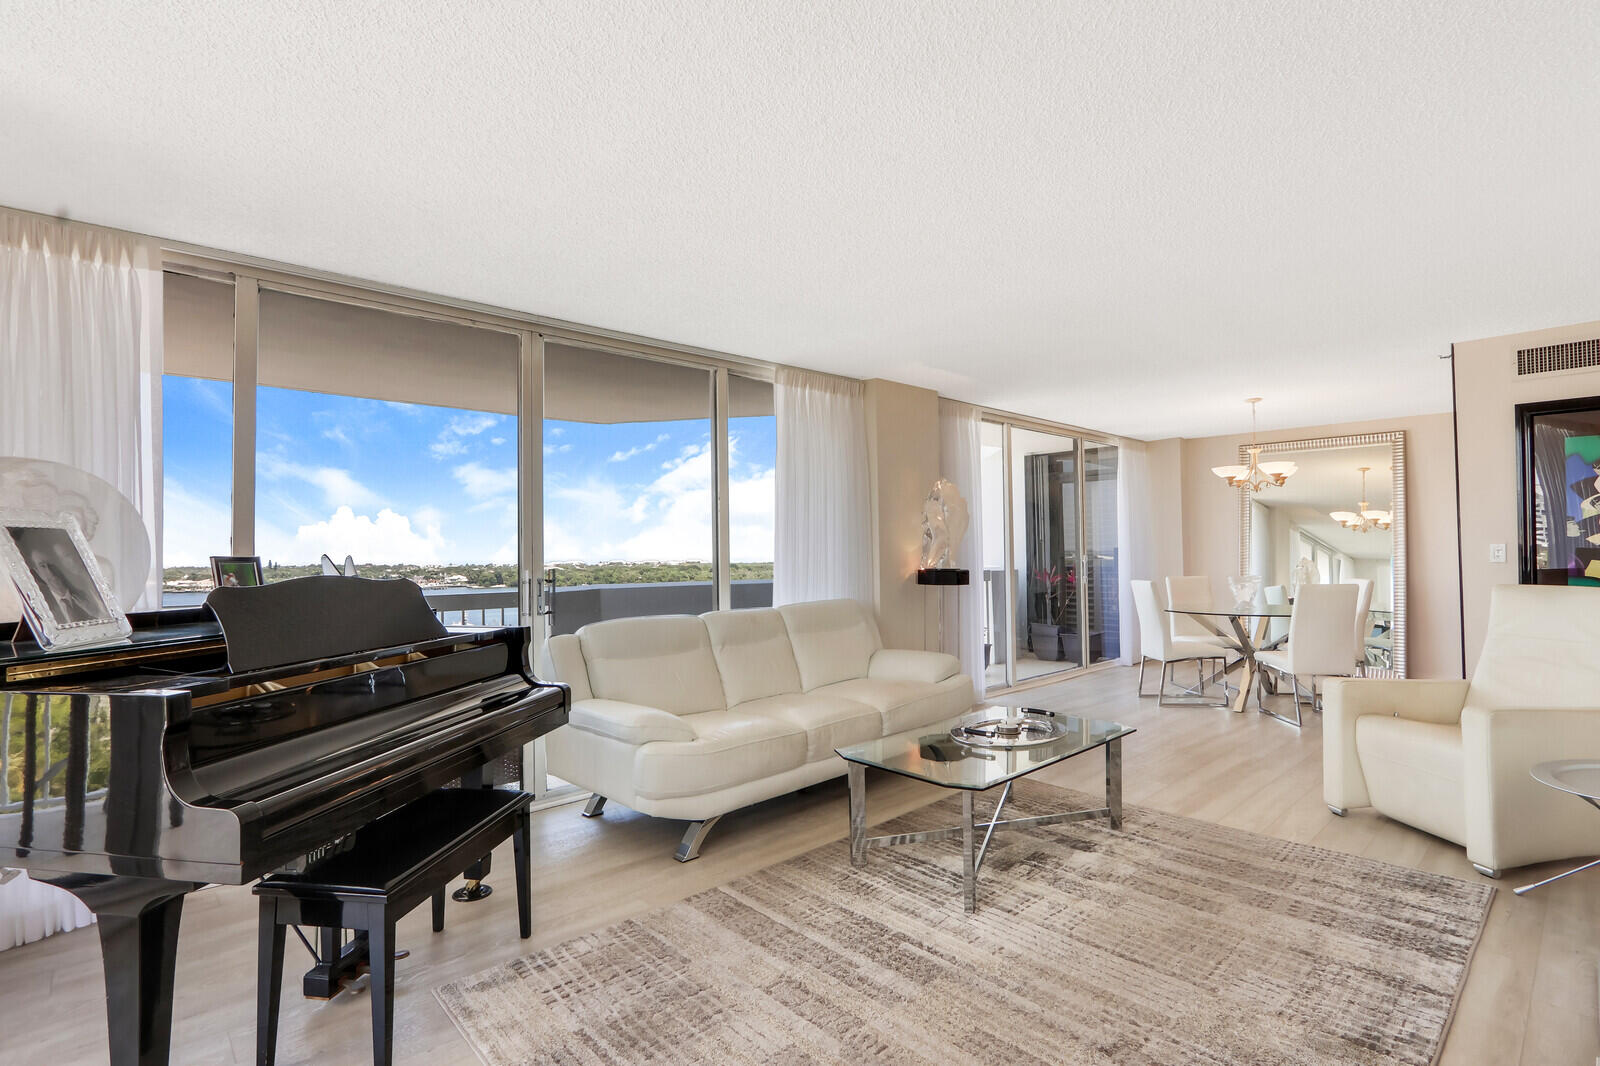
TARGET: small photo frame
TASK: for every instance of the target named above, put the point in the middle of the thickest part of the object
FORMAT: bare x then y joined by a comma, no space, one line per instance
65,598
236,571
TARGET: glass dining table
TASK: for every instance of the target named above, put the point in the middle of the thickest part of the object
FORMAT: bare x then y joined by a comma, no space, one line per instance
1245,633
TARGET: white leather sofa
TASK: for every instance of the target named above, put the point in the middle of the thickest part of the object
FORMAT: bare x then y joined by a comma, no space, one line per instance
1452,758
685,717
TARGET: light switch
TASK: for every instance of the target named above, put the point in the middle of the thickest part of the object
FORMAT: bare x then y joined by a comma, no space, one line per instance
1497,553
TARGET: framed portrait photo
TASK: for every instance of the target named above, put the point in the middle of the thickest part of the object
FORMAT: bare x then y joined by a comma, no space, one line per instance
236,571
65,598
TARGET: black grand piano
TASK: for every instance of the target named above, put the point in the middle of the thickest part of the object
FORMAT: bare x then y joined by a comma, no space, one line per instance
227,741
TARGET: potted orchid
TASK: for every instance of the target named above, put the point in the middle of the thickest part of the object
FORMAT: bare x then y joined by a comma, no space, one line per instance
1060,588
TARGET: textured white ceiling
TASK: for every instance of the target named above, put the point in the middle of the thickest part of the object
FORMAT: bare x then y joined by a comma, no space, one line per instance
1122,215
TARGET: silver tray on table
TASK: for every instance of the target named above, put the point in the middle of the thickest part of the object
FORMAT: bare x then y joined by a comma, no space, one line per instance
994,727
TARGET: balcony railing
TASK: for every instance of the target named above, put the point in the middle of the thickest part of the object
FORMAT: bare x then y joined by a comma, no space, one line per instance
578,605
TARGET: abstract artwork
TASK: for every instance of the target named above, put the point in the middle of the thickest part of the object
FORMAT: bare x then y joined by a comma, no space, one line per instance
1560,492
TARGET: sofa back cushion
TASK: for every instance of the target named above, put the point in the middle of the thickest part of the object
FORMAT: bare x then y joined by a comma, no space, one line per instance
833,640
1542,650
663,661
753,654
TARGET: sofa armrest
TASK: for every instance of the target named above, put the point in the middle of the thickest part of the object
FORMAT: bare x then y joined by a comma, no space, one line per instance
630,723
898,664
1513,820
562,660
1346,699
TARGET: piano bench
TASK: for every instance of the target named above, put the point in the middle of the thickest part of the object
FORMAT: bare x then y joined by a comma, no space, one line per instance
376,876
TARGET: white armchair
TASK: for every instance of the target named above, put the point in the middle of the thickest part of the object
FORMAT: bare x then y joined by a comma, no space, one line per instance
1453,758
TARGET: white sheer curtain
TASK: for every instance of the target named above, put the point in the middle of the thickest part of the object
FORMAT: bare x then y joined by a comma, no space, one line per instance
961,459
1136,539
823,529
80,367
80,359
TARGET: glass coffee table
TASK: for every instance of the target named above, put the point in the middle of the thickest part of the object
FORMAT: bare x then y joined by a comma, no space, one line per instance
931,754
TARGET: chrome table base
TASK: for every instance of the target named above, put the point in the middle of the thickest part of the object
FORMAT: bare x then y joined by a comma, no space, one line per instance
972,853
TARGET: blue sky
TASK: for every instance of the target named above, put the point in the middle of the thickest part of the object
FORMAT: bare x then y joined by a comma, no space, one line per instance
390,482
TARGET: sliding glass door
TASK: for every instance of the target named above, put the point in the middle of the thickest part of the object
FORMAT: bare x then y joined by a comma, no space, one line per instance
1050,502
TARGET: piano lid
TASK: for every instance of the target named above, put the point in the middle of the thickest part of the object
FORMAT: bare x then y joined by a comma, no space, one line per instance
320,617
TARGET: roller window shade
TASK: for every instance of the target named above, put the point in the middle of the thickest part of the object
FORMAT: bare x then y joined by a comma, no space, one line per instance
327,346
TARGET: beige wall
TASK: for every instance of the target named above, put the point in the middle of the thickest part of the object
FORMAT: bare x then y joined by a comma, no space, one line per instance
1487,392
1211,526
903,458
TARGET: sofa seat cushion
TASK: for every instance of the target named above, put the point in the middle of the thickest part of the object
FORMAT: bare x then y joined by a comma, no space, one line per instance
1414,772
628,722
729,748
829,721
906,704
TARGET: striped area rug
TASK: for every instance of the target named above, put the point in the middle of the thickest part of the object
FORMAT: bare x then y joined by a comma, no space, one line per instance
1169,941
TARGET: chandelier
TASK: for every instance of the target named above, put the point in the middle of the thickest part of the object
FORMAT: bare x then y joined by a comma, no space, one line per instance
1364,519
1256,475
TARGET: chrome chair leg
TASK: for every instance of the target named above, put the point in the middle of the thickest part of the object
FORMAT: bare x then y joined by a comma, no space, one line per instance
1143,659
596,804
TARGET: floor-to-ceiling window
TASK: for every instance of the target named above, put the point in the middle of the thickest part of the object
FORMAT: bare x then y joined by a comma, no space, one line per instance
1051,565
629,475
389,439
752,489
196,434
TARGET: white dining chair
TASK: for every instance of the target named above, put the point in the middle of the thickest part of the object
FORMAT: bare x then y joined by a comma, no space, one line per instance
1189,593
1156,643
1318,647
1363,627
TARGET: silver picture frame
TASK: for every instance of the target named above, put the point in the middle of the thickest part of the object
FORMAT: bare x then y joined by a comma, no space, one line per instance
66,600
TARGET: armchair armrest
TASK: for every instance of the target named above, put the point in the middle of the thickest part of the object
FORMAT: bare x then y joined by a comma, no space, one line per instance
630,723
897,664
1512,820
1346,699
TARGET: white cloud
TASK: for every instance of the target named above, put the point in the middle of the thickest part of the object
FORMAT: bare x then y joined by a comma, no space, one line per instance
338,486
450,442
620,456
670,518
482,483
471,425
497,441
194,527
553,449
387,537
337,433
445,447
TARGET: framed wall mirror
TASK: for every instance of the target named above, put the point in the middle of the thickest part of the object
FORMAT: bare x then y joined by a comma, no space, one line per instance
1340,518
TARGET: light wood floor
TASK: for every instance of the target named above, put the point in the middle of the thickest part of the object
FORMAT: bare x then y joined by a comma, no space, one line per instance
1530,995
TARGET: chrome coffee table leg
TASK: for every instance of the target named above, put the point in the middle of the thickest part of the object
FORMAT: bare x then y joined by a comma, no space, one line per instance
858,813
1114,783
969,866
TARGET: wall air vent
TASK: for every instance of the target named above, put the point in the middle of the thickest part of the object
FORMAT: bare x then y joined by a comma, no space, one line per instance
1553,358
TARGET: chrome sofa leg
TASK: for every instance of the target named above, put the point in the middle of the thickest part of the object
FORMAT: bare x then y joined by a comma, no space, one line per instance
596,804
1340,811
693,837
1487,871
